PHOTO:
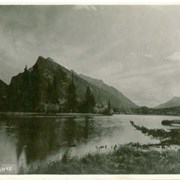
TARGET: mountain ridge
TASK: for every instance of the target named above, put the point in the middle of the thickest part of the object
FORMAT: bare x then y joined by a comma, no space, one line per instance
173,102
113,91
46,82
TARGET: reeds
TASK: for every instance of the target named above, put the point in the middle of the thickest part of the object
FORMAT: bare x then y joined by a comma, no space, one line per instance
127,159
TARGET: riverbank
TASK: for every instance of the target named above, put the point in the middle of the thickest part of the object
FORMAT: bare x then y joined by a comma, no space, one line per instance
29,114
126,159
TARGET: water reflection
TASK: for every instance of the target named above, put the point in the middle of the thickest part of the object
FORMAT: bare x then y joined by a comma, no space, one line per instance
31,140
37,138
69,131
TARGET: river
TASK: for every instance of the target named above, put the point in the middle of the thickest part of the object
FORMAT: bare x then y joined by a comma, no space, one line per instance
29,141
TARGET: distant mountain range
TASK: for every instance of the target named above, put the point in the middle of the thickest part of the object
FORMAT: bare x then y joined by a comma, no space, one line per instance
47,82
174,102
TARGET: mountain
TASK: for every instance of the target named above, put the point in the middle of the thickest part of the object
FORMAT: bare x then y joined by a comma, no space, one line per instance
3,95
108,92
46,83
174,102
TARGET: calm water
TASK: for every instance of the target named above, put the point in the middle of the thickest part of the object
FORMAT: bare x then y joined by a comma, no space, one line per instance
26,142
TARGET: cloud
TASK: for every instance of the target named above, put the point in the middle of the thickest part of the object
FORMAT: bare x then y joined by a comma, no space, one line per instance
85,7
148,55
113,43
174,57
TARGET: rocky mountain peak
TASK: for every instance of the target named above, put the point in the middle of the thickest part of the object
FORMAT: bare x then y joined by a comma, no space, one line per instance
41,59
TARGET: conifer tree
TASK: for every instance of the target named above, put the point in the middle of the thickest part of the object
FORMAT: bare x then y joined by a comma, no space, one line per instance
25,91
109,106
71,97
107,111
35,86
93,103
89,101
55,89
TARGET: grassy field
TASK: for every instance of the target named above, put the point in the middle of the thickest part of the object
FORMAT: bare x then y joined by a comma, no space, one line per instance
127,159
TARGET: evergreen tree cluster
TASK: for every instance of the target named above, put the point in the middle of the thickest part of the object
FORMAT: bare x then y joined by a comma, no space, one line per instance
72,104
89,101
71,98
32,96
30,90
107,111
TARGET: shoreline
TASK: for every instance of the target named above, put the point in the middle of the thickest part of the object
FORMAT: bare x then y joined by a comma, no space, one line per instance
131,158
31,114
40,114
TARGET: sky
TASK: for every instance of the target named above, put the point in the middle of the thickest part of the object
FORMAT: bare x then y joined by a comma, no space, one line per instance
136,49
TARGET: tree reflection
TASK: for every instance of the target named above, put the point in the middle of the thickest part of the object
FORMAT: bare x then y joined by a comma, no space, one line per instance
69,131
76,130
36,138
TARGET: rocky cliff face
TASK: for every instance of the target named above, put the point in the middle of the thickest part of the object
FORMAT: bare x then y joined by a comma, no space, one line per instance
45,84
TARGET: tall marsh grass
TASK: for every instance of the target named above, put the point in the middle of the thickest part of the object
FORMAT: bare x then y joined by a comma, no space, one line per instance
126,159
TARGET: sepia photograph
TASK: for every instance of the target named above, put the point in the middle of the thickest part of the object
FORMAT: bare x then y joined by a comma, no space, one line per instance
89,89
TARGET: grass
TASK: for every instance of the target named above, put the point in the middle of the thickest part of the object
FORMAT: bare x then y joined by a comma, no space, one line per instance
126,159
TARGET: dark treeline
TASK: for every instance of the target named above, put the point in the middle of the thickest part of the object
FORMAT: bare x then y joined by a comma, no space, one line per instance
73,105
37,95
153,111
86,105
28,94
33,97
50,87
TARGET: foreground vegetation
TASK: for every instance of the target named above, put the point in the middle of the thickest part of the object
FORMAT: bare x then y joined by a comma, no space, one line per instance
131,158
170,137
126,159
